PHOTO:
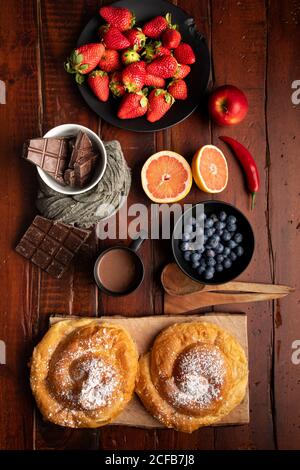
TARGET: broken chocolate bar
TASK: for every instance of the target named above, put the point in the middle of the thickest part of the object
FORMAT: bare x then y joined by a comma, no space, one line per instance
51,245
82,148
50,154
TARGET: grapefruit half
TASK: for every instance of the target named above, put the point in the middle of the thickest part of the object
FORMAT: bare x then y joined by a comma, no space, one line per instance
210,170
166,177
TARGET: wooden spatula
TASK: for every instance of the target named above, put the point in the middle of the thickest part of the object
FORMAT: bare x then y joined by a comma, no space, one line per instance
185,295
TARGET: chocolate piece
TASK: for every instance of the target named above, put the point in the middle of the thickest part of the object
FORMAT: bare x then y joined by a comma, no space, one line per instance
69,177
82,172
51,245
50,154
82,148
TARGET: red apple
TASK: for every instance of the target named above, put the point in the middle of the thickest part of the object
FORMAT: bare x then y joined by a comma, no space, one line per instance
227,105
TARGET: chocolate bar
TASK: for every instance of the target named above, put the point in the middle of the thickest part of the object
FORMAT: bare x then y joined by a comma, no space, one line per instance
51,245
50,154
82,172
82,148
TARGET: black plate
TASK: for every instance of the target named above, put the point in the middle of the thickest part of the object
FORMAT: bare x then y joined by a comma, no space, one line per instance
197,79
244,228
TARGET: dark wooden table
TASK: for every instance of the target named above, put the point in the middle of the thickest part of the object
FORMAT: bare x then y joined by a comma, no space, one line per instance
254,45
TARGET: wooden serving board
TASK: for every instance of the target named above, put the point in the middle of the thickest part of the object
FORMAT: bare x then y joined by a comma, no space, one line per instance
145,329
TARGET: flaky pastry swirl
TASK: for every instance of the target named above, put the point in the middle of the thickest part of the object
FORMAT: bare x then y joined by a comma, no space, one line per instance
83,372
195,374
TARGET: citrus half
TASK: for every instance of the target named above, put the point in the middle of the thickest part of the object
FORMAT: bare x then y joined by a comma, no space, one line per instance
166,177
210,170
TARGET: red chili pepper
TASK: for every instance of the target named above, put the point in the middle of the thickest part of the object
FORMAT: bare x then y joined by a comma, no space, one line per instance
248,163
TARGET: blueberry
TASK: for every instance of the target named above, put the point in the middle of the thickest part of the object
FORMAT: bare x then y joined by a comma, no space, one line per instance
226,251
195,265
227,263
184,246
187,255
219,259
186,237
188,228
239,250
233,256
214,218
211,262
226,236
191,221
209,273
219,248
208,223
231,220
231,228
202,262
213,243
238,237
220,225
209,232
232,244
219,268
195,257
222,216
201,270
210,253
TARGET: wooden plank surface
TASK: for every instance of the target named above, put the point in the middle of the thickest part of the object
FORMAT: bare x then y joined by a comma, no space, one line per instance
254,45
144,331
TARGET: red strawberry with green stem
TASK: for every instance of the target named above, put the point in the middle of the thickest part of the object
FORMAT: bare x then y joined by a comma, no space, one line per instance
171,38
98,82
120,17
133,77
157,82
184,54
178,89
116,85
83,60
133,105
113,38
110,61
129,56
160,101
137,38
182,71
154,28
153,50
163,67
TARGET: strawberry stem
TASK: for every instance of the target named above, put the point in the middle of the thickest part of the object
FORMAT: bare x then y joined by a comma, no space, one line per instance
253,195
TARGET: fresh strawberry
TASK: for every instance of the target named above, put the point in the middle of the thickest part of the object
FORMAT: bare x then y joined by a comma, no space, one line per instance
160,101
178,89
110,61
98,82
156,26
157,82
133,105
171,38
113,38
116,85
137,38
84,59
133,77
163,67
153,50
121,18
182,71
184,54
129,56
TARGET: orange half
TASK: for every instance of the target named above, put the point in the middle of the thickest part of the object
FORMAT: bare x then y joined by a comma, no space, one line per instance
166,177
210,170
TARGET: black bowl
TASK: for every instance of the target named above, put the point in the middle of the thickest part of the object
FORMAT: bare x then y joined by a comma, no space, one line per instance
243,227
197,79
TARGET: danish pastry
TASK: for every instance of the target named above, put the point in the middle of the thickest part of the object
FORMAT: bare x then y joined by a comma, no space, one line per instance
195,374
83,372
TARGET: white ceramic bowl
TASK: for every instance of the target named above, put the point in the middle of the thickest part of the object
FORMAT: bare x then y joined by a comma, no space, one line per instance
69,130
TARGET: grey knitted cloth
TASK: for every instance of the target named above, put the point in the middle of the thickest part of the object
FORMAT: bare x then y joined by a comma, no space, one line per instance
86,210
